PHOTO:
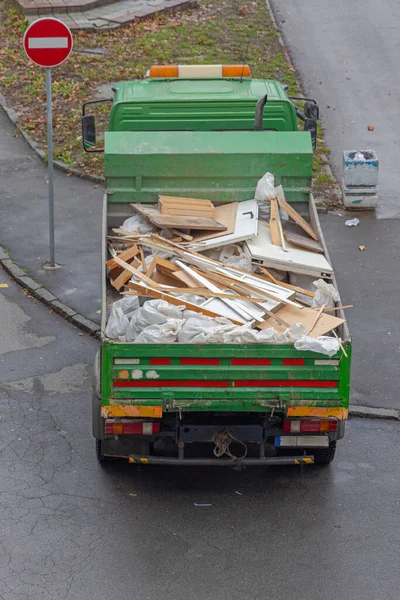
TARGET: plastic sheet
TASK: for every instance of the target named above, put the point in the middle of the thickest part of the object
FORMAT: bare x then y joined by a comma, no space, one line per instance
153,312
138,222
165,333
117,324
326,294
323,345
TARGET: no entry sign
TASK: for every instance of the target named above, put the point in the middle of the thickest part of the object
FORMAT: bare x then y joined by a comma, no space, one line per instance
48,42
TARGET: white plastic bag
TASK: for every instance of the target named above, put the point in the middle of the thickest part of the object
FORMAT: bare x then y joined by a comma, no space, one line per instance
128,304
264,193
117,323
265,189
234,256
165,333
153,312
138,222
201,329
323,344
326,294
291,334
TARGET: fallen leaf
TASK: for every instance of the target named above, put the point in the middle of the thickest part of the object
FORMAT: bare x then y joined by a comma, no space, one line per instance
371,127
69,174
134,495
362,248
243,10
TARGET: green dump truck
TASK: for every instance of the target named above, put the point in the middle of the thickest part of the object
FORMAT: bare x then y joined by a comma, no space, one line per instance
211,132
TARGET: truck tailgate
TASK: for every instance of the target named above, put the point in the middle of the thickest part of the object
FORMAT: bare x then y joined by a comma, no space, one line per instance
251,378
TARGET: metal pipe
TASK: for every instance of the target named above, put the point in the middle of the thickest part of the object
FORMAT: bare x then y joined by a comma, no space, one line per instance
52,262
221,462
258,119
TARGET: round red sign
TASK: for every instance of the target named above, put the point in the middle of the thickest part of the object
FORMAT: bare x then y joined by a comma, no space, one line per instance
48,42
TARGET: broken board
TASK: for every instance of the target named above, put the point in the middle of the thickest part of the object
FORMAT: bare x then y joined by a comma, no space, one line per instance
172,205
153,214
294,214
295,259
294,236
245,228
306,316
226,215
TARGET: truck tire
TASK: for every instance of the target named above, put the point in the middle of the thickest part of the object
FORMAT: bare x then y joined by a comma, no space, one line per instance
326,455
99,453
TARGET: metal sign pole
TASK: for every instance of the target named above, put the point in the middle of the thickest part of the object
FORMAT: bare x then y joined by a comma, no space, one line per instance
52,262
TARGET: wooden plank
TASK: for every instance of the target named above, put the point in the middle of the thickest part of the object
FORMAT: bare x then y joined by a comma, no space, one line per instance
125,275
273,224
321,310
161,221
294,214
169,205
142,259
225,214
184,236
306,316
289,286
294,237
185,278
144,291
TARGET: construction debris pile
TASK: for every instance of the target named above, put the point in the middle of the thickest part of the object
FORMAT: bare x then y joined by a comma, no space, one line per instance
192,272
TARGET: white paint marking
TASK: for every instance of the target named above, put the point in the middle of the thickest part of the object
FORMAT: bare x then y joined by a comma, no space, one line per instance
48,42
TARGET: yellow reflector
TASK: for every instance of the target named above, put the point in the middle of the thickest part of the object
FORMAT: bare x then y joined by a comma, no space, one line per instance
318,412
129,410
199,71
324,425
118,428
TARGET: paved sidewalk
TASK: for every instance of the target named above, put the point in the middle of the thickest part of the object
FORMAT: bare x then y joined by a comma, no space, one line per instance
24,224
91,15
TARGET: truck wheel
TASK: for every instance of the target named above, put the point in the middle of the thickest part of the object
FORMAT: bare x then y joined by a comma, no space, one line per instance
99,453
325,456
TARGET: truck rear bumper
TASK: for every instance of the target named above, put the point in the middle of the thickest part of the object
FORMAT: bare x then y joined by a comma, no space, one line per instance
221,462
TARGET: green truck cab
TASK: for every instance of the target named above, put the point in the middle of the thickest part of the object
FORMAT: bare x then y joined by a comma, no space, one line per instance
211,137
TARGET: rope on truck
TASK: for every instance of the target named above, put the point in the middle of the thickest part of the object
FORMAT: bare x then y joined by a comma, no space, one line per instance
222,440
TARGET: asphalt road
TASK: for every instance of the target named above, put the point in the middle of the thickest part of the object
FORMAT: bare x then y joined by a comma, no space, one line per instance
72,530
347,54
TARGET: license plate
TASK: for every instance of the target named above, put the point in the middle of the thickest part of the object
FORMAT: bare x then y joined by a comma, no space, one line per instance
302,441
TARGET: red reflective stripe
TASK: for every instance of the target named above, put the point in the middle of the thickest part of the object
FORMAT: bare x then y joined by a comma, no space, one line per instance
293,362
199,361
224,384
252,361
160,361
170,383
285,383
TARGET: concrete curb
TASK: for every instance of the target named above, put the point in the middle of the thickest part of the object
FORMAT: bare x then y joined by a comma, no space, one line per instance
61,166
41,293
88,326
369,412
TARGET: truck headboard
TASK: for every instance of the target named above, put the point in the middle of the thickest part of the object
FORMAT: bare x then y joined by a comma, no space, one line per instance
220,166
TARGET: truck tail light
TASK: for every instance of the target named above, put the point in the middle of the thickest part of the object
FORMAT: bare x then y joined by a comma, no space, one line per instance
309,425
132,427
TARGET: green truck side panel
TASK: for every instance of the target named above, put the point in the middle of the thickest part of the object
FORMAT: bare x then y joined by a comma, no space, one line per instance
230,399
221,166
199,105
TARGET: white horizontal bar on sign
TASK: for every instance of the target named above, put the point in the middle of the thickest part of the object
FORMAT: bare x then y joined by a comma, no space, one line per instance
200,71
47,42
